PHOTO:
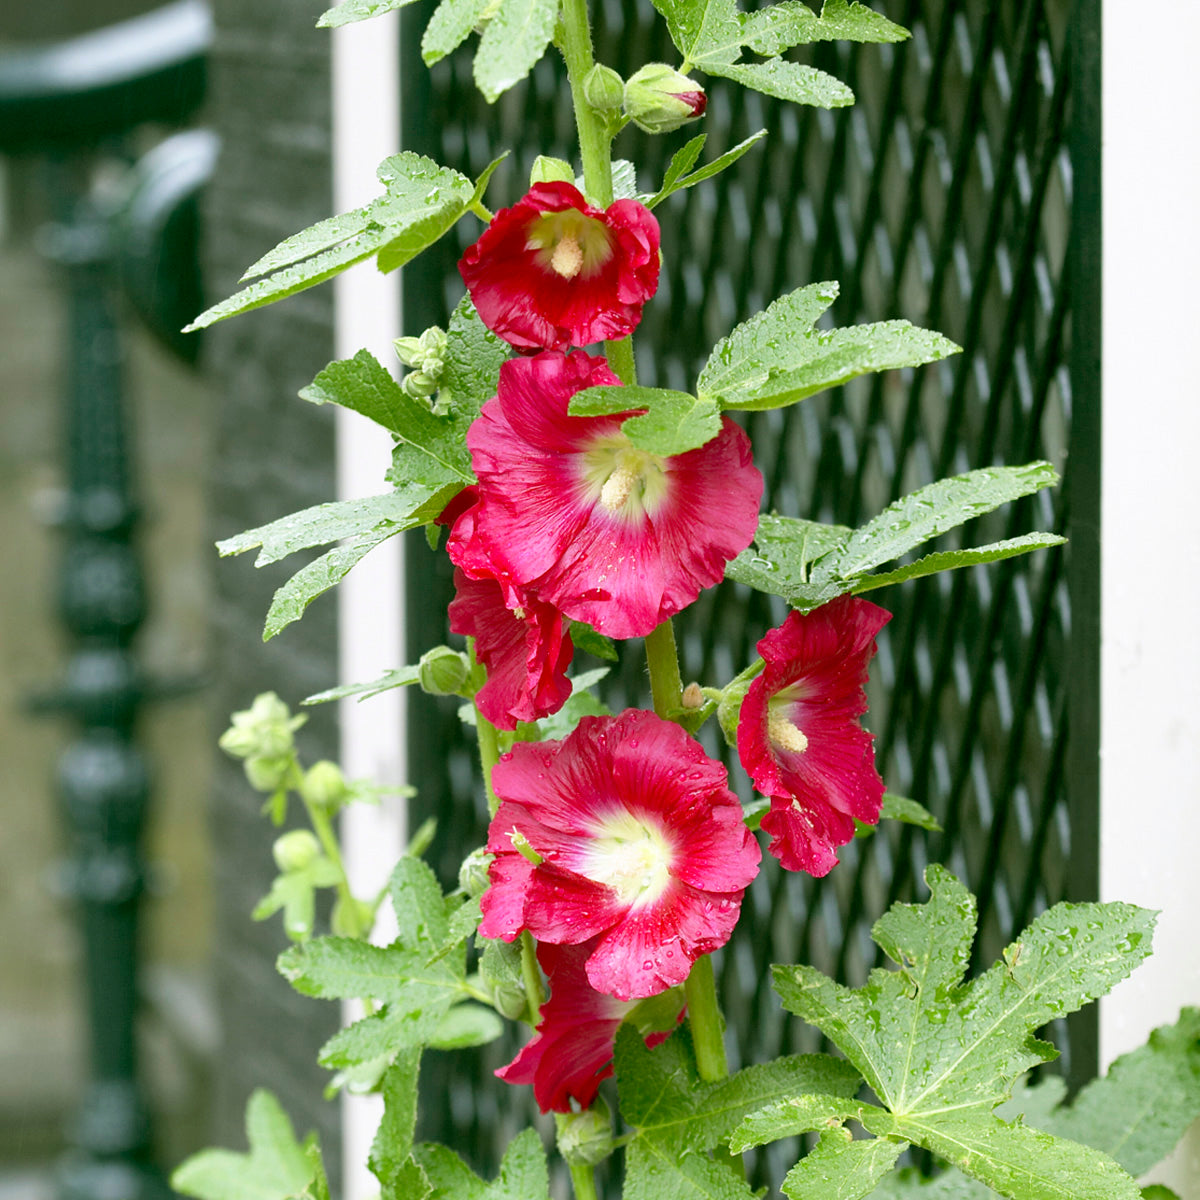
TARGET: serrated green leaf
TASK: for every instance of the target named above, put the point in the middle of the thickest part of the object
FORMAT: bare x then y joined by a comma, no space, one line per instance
473,358
673,423
786,80
585,638
1142,1107
951,560
341,968
325,523
511,45
704,31
654,1172
779,27
682,161
777,357
466,1025
418,903
676,183
781,560
390,1159
290,601
450,26
941,1045
523,1173
421,202
276,1168
399,677
838,1168
931,511
804,1113
357,10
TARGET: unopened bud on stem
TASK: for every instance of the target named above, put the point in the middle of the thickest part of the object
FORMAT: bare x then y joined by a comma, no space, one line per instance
659,99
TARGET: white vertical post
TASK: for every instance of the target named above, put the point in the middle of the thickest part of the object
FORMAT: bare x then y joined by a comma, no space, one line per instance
366,129
1150,594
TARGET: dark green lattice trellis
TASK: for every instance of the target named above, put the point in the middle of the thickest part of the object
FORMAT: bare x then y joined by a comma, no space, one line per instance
944,197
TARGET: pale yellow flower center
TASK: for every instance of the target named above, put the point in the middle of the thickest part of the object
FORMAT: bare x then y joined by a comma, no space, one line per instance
569,243
782,731
623,480
630,856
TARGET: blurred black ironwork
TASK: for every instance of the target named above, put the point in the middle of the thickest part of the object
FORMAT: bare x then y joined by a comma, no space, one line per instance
944,196
75,104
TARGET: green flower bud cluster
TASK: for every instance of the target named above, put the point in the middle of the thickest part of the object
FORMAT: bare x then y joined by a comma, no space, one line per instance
262,735
585,1138
426,356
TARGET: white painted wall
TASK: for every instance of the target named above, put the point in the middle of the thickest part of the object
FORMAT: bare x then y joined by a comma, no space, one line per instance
1150,596
366,129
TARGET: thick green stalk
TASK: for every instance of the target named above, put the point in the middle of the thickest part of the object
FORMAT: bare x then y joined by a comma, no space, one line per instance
662,659
489,756
595,141
531,977
704,1017
583,1180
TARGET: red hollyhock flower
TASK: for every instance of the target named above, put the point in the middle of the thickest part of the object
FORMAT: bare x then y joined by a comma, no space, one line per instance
570,509
571,1053
799,736
526,651
641,846
553,272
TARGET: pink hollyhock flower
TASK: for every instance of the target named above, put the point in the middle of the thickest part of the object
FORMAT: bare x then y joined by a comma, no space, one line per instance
571,1053
526,651
641,846
799,736
553,272
570,509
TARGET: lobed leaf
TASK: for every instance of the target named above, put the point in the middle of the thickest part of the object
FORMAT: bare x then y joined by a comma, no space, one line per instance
673,423
841,1168
786,80
777,357
675,180
512,43
357,10
779,27
450,26
523,1172
422,200
277,1166
399,677
390,1159
466,1025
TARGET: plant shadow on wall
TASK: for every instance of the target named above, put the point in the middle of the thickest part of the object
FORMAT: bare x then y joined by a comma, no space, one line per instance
583,511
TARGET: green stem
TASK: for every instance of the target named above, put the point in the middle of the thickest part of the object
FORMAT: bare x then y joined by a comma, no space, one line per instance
583,1181
595,141
662,659
531,976
489,756
704,1017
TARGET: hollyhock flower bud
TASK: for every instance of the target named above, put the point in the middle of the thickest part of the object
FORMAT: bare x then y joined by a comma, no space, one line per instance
268,774
622,539
472,875
571,1053
799,735
641,846
585,1137
443,672
324,786
551,170
264,730
659,99
295,850
552,271
603,88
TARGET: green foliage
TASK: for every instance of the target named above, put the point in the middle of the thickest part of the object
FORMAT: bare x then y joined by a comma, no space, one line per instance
523,1173
673,422
840,1167
399,677
512,43
778,357
677,1118
278,1167
677,178
420,203
451,24
295,893
808,563
941,1053
391,1160
357,10
711,34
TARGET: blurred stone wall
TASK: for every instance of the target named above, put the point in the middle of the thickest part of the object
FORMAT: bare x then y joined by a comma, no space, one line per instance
273,454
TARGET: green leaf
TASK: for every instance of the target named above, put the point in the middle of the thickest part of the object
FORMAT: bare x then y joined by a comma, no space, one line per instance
624,179
418,904
1138,1112
941,1053
585,638
400,677
511,45
950,560
794,1115
778,27
340,968
523,1173
839,1168
466,1025
580,703
682,161
673,423
654,1172
778,357
704,31
677,182
783,556
276,1168
909,812
785,80
357,10
391,1159
450,26
421,202
324,523
931,511
290,601
663,1097
473,358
